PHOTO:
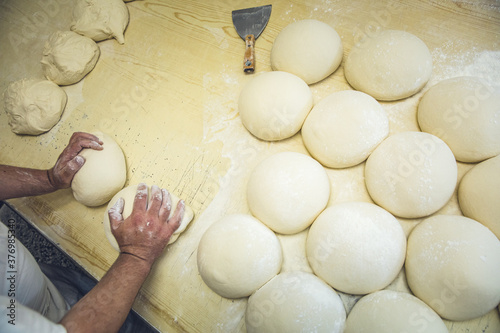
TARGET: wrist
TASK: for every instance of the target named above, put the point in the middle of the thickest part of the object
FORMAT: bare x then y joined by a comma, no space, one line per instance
137,260
52,181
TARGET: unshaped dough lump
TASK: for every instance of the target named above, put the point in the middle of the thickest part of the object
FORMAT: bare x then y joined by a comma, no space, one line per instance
356,247
389,65
295,302
390,311
128,194
287,191
68,57
33,106
103,174
237,255
479,194
310,49
274,105
344,128
464,112
453,265
411,174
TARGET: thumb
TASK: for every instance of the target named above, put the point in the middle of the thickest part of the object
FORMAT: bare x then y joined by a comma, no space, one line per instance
76,164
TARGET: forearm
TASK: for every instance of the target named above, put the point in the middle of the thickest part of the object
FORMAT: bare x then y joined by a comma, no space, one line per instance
18,182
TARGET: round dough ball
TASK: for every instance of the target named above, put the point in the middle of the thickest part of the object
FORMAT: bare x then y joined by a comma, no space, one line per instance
68,57
103,174
391,311
479,194
453,265
295,302
411,174
128,194
100,20
391,65
310,49
356,247
464,113
287,191
274,105
344,128
33,106
237,255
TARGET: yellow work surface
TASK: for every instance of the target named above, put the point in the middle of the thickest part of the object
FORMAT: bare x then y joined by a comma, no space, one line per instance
169,97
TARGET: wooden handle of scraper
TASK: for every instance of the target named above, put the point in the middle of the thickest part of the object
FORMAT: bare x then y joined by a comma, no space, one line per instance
248,62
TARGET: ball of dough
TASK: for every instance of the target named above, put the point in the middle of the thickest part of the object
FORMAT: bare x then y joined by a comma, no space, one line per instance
310,49
453,265
237,255
479,194
287,191
464,113
33,106
356,247
68,57
391,311
274,105
103,174
411,174
391,65
295,302
128,194
344,128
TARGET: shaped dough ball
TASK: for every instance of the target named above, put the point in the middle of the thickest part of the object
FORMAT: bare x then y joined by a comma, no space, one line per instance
479,194
411,174
274,105
295,302
390,311
103,174
464,112
310,49
237,255
68,57
287,191
100,19
344,128
33,106
356,247
453,265
391,65
128,194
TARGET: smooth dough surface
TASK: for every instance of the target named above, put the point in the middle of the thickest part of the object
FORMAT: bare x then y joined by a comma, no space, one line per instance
237,255
356,247
453,265
287,191
344,128
295,302
310,49
274,105
34,106
464,112
103,174
390,65
411,174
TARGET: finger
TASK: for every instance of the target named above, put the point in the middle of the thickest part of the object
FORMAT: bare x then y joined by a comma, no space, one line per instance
175,221
166,206
79,136
115,214
141,198
155,200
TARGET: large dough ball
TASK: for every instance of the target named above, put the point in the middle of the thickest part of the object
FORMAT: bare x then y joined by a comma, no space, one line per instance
356,247
237,255
464,112
453,265
391,65
310,49
274,105
103,174
411,174
68,57
287,191
390,311
344,128
295,302
33,106
479,194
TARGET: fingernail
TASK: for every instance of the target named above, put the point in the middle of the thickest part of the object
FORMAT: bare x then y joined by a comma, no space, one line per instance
79,160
